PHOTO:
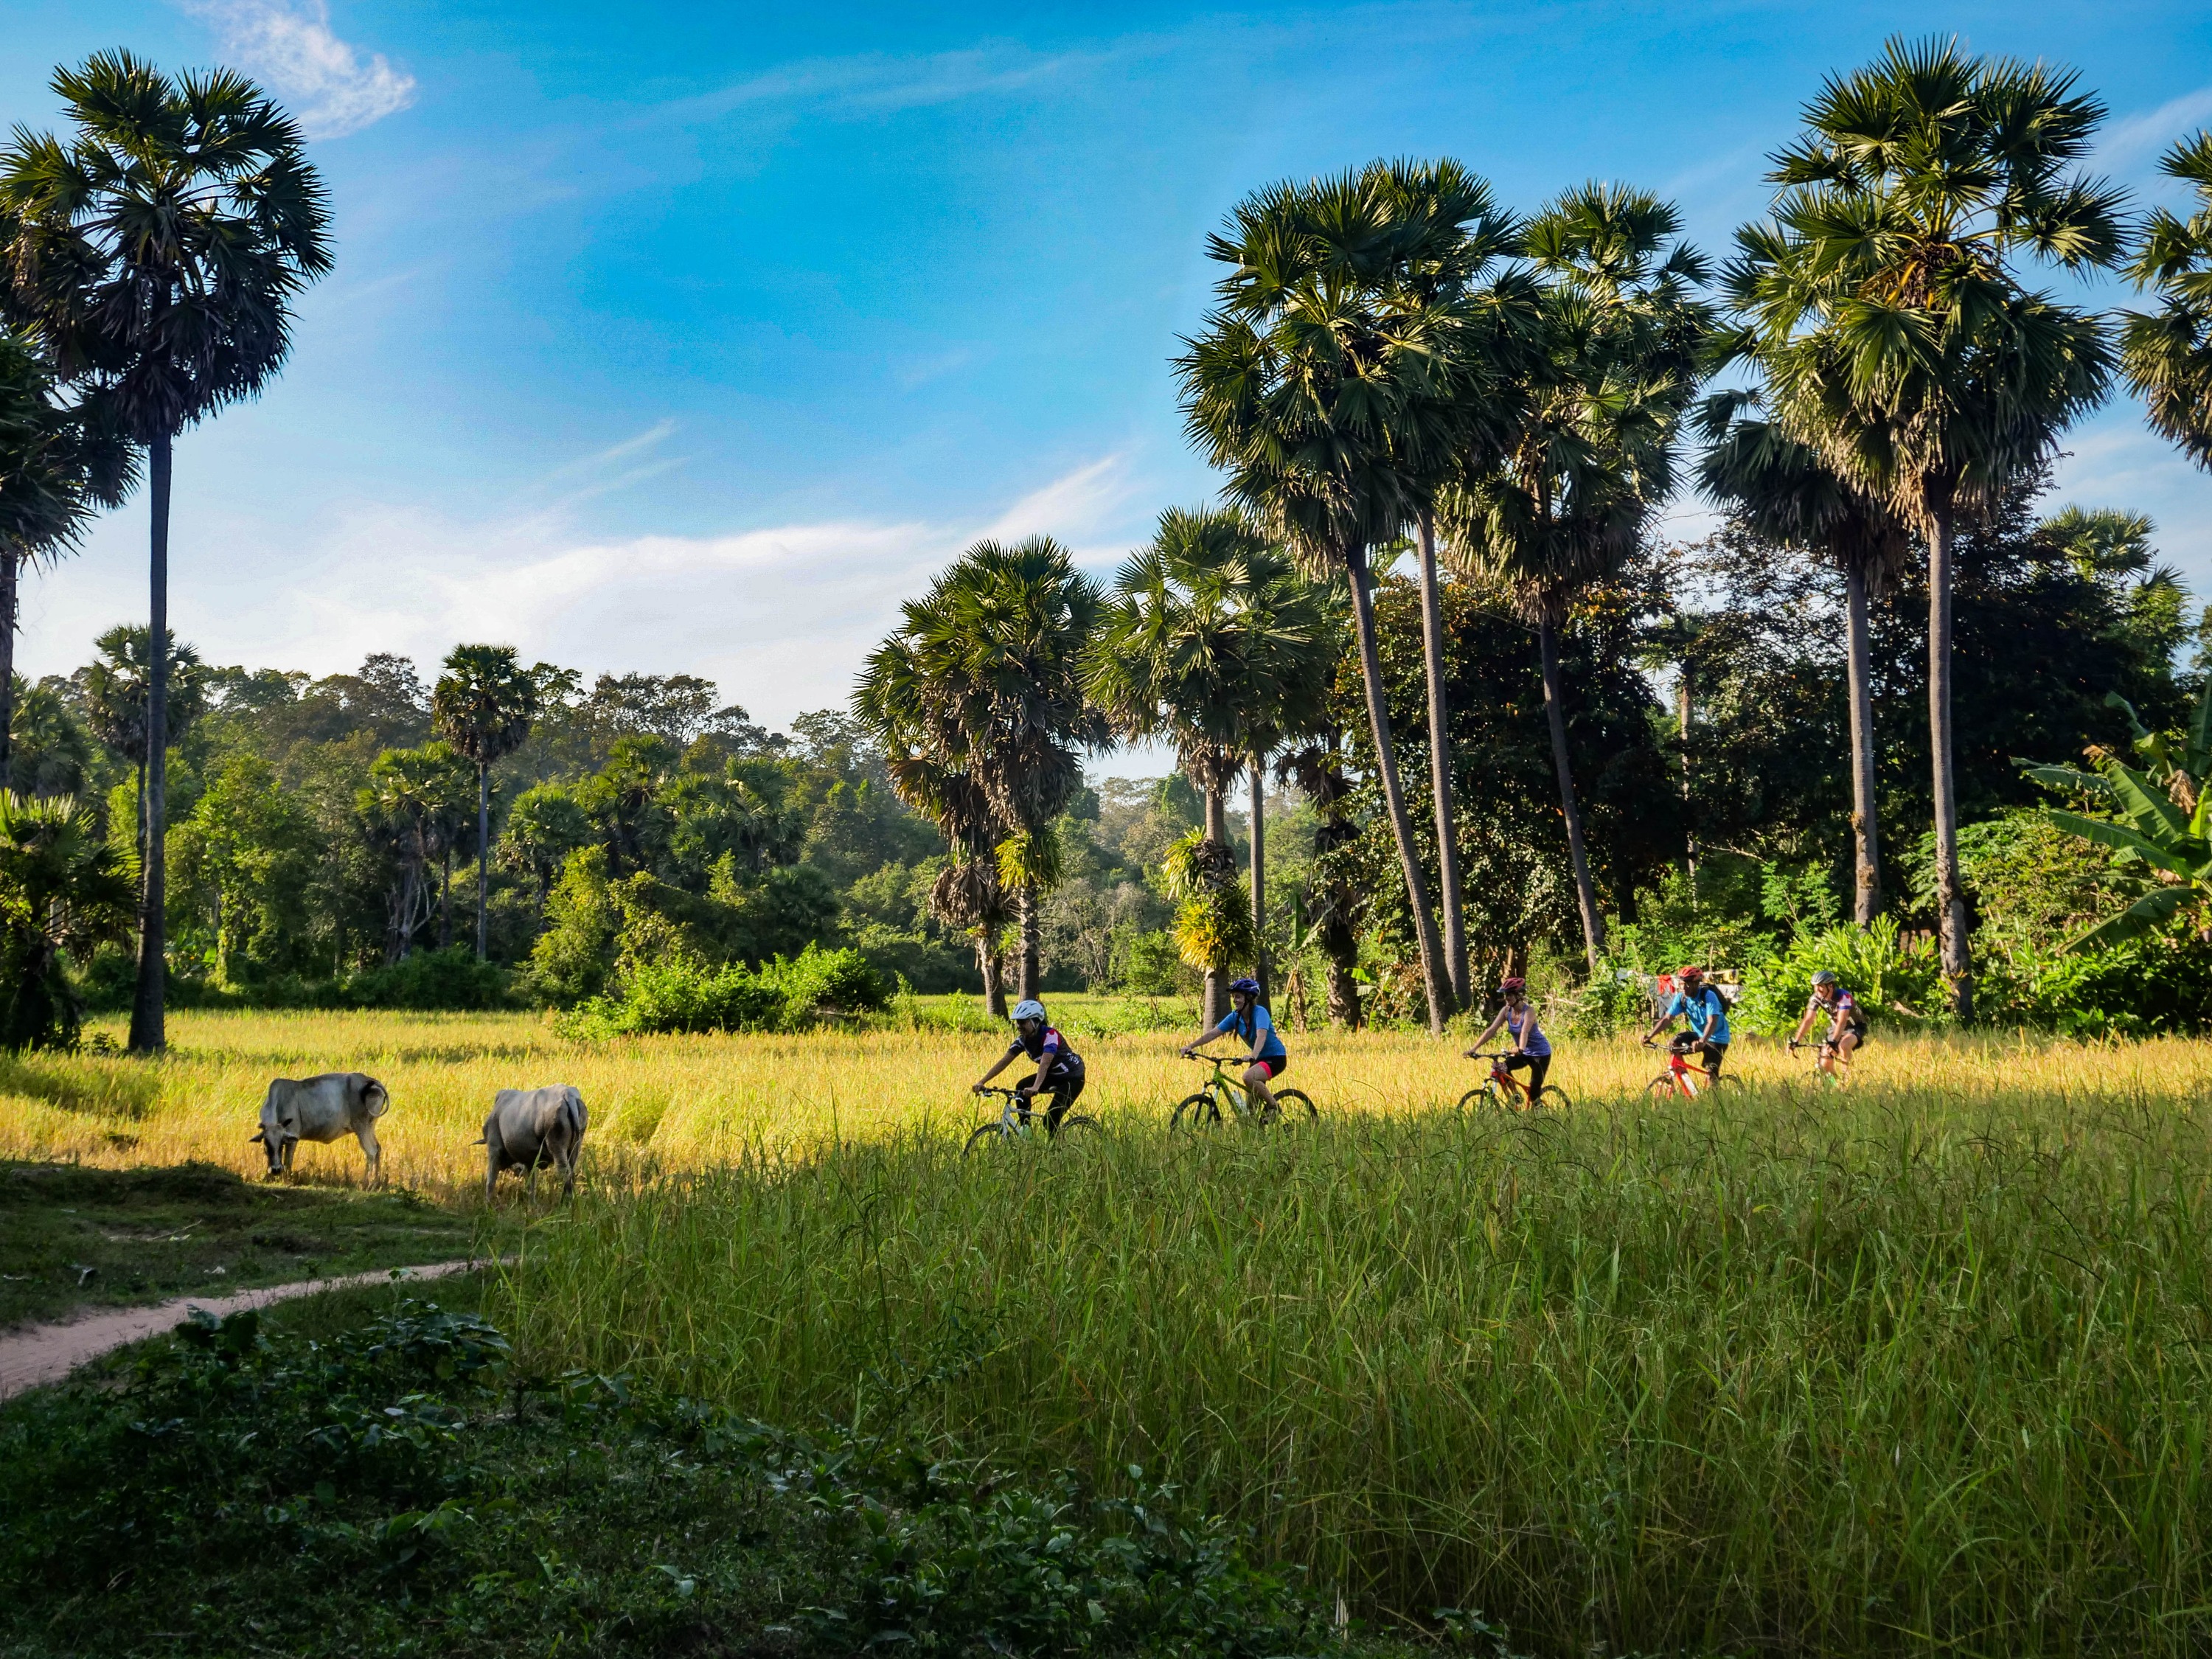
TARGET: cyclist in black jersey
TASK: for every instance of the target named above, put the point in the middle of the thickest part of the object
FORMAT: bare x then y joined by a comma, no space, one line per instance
1059,1068
1847,1023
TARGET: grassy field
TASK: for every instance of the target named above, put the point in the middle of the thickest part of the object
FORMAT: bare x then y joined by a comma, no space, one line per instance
1920,1364
71,1235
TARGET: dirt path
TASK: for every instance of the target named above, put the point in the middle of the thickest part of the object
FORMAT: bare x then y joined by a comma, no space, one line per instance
39,1354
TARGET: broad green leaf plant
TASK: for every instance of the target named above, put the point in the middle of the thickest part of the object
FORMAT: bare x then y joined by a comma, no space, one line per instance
2158,821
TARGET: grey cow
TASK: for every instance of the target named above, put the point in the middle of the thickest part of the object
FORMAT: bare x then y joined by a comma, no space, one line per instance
322,1108
531,1127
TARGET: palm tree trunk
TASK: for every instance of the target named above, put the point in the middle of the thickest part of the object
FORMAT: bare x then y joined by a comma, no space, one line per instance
1440,778
1866,903
10,564
484,849
1259,874
1437,979
1547,646
1214,1005
446,896
1032,926
990,961
148,1027
1682,710
1950,893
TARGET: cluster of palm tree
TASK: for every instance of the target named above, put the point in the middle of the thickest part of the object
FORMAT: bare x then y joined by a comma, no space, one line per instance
149,262
1393,357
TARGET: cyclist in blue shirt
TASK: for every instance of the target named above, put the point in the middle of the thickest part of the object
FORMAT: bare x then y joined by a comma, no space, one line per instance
1248,1023
1706,1009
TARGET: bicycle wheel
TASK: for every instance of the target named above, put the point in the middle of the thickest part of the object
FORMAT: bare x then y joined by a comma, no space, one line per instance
1287,1102
1074,1121
1661,1087
988,1133
1483,1098
1553,1099
1200,1111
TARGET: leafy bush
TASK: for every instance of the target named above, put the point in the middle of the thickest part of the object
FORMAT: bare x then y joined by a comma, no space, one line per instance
679,993
406,1487
449,979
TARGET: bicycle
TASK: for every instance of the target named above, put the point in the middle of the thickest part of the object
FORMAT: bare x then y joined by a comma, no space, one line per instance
1204,1109
1019,1118
1681,1077
1506,1092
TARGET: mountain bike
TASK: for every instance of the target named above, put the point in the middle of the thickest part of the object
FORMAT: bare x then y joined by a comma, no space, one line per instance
1019,1118
1222,1095
1681,1077
1506,1092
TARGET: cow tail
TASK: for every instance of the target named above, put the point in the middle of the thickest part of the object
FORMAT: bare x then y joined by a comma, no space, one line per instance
378,1098
573,1109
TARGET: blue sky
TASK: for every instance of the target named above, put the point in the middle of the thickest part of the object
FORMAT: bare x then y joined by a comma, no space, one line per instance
695,337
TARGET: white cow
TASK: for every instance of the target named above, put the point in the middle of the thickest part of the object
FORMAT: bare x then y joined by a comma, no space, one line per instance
531,1127
322,1108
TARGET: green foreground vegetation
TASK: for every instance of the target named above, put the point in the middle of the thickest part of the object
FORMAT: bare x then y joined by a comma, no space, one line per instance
380,1475
73,1238
1802,1371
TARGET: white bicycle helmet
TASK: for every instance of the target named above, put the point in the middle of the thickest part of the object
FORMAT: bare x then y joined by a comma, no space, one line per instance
1028,1008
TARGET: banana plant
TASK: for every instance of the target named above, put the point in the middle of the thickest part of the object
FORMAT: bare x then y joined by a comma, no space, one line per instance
2159,822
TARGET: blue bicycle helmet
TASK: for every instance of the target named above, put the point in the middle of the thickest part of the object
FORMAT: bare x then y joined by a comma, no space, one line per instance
1243,987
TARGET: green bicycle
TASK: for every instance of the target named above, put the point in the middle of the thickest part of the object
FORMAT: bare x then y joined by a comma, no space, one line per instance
1222,1096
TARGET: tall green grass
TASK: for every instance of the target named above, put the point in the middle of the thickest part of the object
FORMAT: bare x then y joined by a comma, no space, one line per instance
1888,1369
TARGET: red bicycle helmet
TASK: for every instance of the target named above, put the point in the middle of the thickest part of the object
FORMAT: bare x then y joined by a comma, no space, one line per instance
1689,973
1505,985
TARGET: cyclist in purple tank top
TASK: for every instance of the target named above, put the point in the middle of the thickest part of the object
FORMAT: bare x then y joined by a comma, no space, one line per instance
1532,1050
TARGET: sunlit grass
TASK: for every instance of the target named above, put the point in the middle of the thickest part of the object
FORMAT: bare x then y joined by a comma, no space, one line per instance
1917,1362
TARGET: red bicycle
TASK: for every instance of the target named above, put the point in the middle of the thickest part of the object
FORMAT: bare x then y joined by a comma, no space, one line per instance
1505,1092
1681,1077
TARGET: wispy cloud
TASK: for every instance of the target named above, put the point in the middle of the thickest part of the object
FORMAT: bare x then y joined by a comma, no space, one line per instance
289,43
874,82
780,617
2133,141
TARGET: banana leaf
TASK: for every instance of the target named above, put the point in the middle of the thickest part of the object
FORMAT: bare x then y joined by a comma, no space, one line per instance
2120,839
2066,777
2152,911
2148,807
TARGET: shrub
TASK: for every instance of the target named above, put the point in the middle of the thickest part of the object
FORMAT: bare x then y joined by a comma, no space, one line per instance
452,979
679,993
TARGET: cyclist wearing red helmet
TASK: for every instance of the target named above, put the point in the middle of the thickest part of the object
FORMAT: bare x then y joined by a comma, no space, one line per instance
1250,1022
1706,1011
1532,1050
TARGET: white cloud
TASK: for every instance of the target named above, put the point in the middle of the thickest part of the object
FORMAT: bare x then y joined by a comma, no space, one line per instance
289,43
2131,145
780,617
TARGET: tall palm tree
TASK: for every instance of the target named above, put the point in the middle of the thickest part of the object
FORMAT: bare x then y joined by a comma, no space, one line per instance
58,464
1783,491
483,706
1328,393
1450,237
1591,457
156,255
1213,642
2167,355
1895,335
982,688
115,687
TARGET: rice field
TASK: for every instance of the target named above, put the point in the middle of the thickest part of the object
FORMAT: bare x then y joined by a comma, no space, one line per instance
1921,1364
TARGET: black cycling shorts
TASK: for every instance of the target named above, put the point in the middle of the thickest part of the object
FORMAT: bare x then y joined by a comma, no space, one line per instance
1537,1065
1062,1083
